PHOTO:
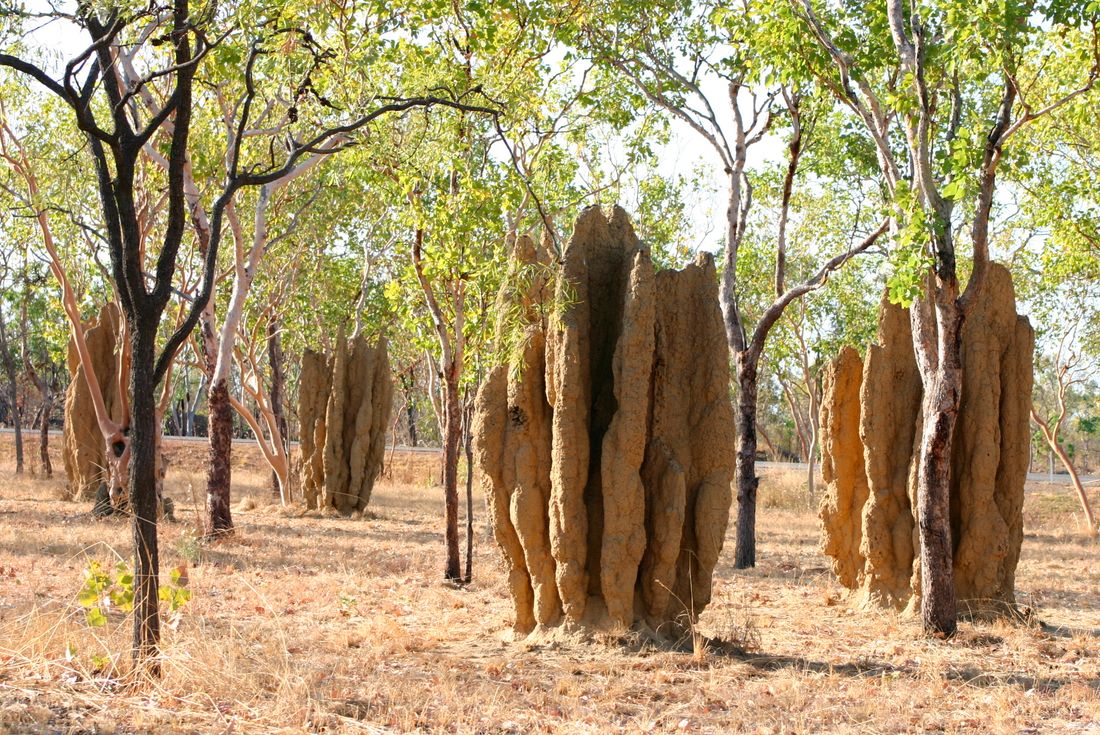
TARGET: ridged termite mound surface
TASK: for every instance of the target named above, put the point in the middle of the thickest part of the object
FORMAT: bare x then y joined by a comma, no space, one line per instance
842,467
605,443
992,447
314,384
83,446
890,400
868,513
344,410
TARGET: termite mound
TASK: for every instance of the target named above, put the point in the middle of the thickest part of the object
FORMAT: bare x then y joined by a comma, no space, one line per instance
605,445
83,446
871,425
344,410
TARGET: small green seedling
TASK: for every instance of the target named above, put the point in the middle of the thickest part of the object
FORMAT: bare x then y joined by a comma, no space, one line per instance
348,605
105,588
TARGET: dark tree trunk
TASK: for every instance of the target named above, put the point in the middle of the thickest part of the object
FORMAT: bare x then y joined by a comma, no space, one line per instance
943,394
142,489
746,480
410,408
13,396
193,405
44,435
116,148
180,411
219,519
278,383
452,440
17,424
468,416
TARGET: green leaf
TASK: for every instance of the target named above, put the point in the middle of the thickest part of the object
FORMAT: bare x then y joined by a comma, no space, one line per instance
123,599
88,597
180,596
95,617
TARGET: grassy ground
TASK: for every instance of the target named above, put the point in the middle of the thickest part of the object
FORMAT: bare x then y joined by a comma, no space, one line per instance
309,624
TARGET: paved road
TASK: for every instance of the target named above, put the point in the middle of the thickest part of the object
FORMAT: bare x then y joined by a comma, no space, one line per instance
1056,478
203,439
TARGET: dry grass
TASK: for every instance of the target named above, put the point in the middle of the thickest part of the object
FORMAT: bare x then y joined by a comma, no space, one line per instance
783,489
310,624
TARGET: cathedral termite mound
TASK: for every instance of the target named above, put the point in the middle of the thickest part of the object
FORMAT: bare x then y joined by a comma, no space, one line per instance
83,447
606,445
344,411
871,424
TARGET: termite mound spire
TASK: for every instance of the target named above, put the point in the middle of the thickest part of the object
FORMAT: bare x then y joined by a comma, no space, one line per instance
605,443
344,410
871,423
83,446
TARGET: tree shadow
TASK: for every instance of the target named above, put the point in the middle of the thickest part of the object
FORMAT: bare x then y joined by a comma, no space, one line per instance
971,675
1066,631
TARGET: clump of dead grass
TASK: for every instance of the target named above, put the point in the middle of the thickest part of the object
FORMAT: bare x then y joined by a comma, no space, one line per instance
785,489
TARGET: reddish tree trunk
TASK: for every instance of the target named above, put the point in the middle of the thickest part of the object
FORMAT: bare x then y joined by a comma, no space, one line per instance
943,394
1076,480
219,519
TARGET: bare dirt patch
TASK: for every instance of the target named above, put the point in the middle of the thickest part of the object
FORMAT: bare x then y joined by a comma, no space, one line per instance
308,624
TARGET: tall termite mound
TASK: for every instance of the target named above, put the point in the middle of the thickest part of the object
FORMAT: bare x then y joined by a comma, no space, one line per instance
606,444
85,451
871,423
344,410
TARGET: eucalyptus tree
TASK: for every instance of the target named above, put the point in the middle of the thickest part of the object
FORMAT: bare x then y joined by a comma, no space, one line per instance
41,353
169,47
45,187
471,187
299,261
702,65
1056,265
115,141
456,254
297,82
939,89
1065,371
1056,259
821,218
28,193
